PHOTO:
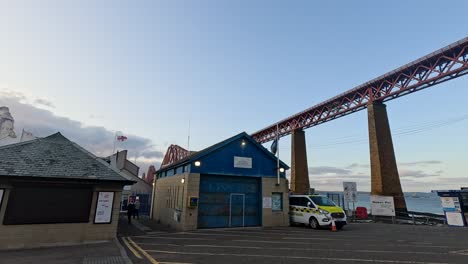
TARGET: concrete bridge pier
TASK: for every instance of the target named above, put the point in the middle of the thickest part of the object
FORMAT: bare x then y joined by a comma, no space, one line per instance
385,179
299,168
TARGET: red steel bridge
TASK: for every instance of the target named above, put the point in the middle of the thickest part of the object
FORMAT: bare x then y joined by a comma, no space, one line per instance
440,66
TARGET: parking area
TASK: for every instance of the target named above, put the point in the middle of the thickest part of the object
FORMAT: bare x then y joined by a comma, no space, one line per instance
356,243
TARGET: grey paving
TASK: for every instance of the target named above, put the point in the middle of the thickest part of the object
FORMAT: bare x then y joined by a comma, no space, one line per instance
95,253
104,260
357,243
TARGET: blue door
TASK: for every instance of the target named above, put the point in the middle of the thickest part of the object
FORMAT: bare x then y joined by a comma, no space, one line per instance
237,210
228,201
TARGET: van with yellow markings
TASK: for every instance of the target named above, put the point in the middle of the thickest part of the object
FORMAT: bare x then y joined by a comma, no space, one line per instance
316,211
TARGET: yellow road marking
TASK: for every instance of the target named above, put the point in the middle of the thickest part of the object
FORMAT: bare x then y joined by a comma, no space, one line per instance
131,248
148,256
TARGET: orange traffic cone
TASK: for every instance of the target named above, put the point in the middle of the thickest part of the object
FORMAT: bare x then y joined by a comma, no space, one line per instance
333,226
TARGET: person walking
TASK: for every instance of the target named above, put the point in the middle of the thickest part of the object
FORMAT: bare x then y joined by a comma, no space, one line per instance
137,209
130,211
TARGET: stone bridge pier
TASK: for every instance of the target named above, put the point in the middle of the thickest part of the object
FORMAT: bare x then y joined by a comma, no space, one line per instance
385,179
299,168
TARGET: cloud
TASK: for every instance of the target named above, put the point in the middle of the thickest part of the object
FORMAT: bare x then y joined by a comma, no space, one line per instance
93,116
44,102
416,174
97,139
322,170
422,162
419,179
357,165
152,154
463,180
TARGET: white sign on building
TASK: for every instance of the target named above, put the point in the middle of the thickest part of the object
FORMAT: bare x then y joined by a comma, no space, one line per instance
382,205
350,192
103,213
267,202
242,162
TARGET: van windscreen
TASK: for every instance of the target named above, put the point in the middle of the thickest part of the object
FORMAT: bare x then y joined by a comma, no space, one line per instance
322,200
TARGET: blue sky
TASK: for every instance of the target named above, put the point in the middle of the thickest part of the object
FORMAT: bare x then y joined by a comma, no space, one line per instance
147,68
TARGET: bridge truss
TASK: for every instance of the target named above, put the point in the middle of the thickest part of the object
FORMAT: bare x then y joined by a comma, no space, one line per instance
440,66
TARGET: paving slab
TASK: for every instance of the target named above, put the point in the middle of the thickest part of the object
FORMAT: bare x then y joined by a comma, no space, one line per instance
110,252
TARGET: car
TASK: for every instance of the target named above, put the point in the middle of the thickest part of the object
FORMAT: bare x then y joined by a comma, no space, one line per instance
315,211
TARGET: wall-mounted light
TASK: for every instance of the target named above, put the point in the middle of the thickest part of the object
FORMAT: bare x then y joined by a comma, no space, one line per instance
182,180
197,163
281,170
243,143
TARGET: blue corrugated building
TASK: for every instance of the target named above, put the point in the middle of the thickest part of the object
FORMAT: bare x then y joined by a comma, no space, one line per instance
233,183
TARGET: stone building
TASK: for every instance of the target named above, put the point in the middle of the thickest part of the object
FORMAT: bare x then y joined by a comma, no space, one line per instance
231,184
141,189
54,192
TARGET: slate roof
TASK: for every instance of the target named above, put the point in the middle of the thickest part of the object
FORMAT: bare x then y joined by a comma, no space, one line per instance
194,155
54,157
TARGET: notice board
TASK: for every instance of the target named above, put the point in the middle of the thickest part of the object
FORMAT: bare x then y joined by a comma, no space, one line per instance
382,205
104,205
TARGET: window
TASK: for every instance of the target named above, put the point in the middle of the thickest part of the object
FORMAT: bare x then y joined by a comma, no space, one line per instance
44,204
298,201
187,168
322,200
277,201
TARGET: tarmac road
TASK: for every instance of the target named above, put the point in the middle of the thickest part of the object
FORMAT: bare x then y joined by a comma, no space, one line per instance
356,243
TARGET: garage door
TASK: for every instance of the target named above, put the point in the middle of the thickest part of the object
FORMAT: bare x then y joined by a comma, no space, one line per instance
228,201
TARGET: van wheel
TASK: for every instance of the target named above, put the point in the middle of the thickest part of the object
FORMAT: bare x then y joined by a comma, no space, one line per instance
313,223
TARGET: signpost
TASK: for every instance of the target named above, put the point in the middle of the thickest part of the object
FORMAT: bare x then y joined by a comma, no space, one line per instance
383,206
103,214
350,195
454,219
452,204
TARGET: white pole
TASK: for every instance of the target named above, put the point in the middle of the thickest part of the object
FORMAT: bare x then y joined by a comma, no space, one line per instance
277,160
22,133
152,197
188,139
115,137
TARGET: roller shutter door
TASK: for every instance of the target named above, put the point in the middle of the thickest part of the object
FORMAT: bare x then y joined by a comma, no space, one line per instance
228,201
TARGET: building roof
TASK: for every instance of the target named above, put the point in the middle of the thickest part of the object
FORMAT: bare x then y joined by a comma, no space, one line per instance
196,155
54,157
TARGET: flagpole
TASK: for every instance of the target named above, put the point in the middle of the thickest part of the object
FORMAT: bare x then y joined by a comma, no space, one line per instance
188,139
277,160
22,133
115,137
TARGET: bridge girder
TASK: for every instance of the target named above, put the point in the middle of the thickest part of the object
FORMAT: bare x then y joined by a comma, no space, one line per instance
442,65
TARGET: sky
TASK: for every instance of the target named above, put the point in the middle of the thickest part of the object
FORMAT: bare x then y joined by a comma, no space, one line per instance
148,68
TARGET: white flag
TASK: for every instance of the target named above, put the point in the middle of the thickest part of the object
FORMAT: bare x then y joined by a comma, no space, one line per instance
26,136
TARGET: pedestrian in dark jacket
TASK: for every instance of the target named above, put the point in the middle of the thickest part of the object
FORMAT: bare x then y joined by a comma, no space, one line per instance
130,210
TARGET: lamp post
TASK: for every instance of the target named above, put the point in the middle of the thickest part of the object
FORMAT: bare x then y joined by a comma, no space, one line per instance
152,196
183,194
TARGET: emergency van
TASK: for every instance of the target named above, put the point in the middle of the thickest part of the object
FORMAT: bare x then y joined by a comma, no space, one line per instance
316,211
